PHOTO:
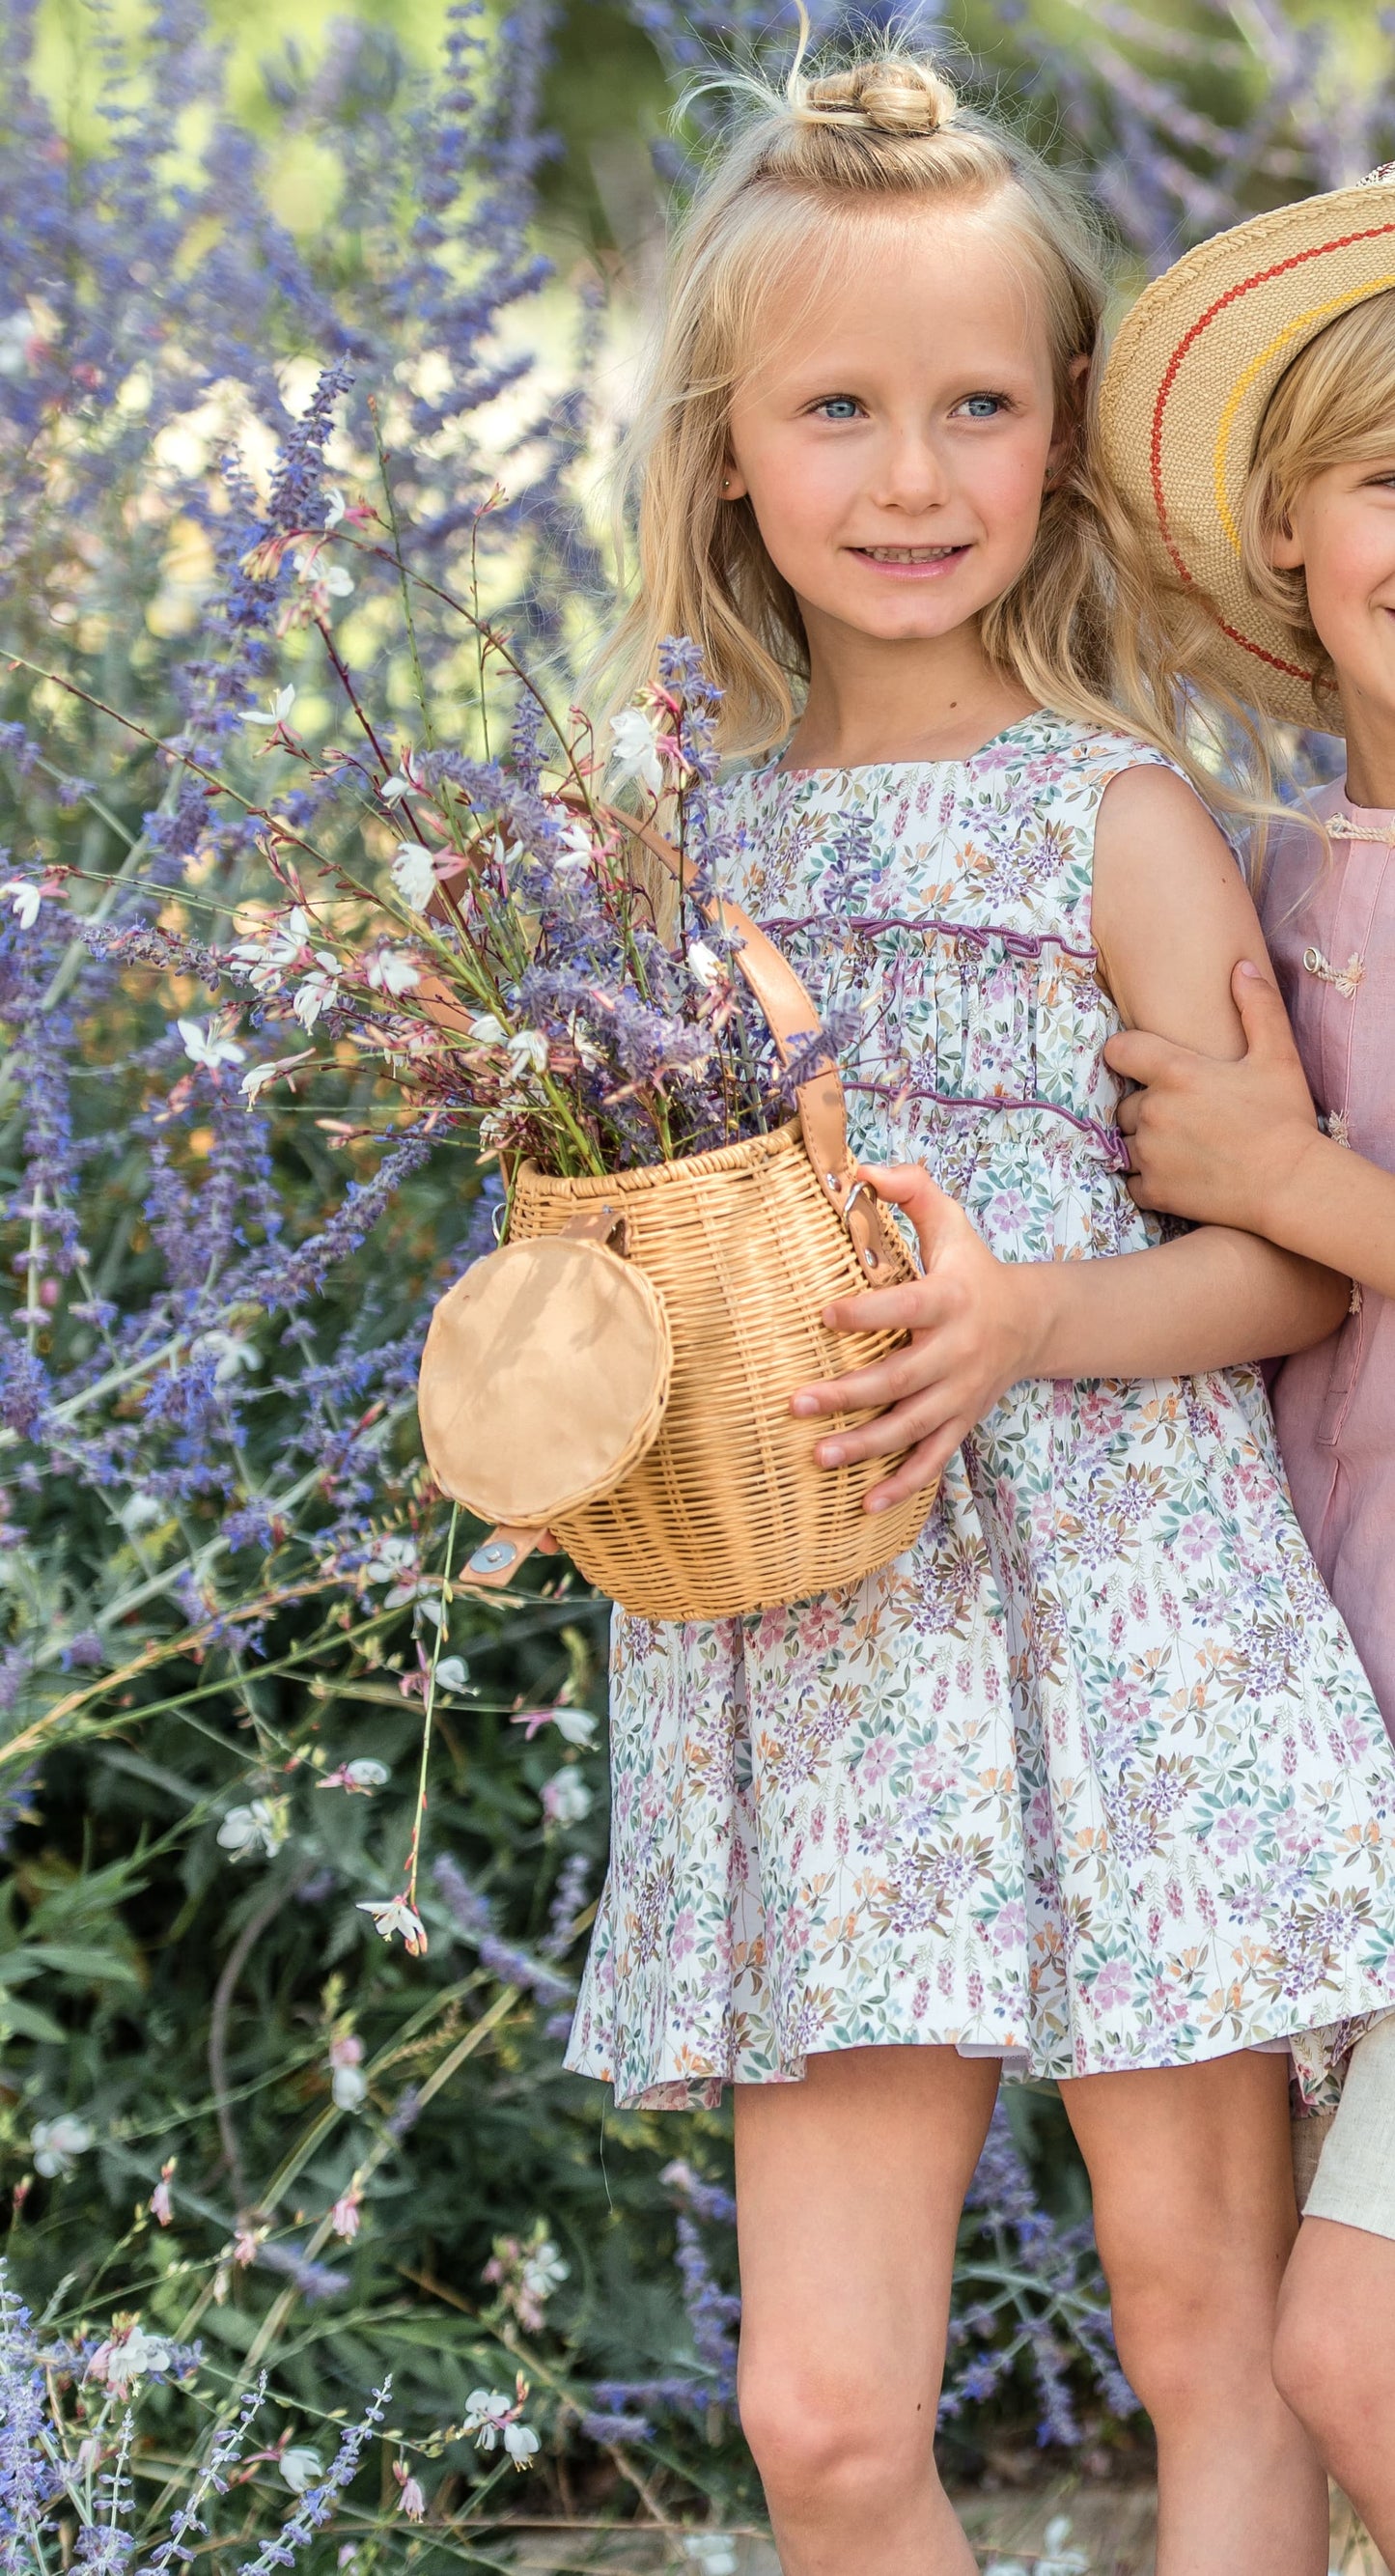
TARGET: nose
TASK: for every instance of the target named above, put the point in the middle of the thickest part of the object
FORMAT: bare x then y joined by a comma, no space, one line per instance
911,475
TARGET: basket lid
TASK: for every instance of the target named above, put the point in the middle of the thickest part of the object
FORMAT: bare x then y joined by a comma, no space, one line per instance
544,1379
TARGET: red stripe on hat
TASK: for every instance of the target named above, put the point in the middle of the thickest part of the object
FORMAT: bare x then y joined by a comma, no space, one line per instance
1261,277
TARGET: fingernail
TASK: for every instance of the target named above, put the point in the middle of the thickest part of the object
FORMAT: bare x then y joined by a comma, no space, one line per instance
804,1404
829,1454
1249,969
877,1502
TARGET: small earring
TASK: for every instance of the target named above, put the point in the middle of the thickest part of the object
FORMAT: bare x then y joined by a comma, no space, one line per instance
726,482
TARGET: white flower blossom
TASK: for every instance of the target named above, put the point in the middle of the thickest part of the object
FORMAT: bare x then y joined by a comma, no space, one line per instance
279,946
254,1083
204,1045
349,2088
452,1673
635,749
520,2441
575,849
410,2500
232,1352
486,1030
273,714
575,1725
396,1915
414,874
335,505
263,1826
116,2364
390,971
53,2144
18,339
492,2419
344,2217
704,964
318,993
301,2468
24,900
566,1798
713,2553
528,1051
331,578
139,1511
365,1775
543,2270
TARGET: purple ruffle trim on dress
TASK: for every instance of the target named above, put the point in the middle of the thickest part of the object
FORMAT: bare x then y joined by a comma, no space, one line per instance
1109,1140
1018,943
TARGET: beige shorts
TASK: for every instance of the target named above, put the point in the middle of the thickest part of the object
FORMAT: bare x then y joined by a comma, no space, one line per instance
1344,2160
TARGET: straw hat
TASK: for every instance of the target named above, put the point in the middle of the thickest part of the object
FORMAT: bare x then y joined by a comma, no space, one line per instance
1185,392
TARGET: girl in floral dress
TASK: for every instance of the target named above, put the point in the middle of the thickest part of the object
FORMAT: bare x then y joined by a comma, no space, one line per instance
1089,1782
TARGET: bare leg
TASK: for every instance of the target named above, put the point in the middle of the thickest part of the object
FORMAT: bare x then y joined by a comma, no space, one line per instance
848,2193
1334,2359
1194,2211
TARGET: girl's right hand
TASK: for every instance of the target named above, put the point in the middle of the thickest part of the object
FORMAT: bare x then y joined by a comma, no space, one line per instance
1220,1142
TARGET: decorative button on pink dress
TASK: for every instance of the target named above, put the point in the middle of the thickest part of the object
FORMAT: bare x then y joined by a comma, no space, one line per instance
1330,924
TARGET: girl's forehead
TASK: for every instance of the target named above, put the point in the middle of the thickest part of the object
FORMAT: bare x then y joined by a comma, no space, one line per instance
909,282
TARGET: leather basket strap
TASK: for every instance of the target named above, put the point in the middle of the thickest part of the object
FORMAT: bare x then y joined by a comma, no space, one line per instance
793,1022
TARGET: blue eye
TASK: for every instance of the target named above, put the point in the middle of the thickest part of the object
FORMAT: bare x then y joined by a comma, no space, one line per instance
982,406
840,407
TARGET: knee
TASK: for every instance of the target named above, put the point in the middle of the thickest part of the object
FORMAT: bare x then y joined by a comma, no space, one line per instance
826,2440
1194,2335
1319,2373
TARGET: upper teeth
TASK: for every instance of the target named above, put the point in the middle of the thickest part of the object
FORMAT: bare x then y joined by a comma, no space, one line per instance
907,554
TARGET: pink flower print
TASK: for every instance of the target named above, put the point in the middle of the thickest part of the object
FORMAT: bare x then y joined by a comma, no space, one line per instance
1173,1900
1206,1907
1154,1928
1008,1929
874,1764
944,1976
975,1991
682,1934
1113,1985
1233,1832
1198,1537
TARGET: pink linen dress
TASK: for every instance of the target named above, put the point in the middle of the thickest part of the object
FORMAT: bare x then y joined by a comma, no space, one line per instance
1330,924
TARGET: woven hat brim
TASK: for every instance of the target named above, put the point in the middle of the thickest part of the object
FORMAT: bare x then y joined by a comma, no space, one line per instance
1185,390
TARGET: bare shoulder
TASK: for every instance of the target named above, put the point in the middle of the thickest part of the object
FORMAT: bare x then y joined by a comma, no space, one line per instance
1172,913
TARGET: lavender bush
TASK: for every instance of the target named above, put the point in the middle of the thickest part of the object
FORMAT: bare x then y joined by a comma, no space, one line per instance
301,1840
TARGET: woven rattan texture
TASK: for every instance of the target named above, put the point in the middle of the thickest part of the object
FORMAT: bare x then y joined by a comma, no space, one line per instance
728,1512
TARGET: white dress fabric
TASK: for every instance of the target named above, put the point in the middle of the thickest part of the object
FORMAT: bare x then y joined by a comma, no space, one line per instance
1090,1778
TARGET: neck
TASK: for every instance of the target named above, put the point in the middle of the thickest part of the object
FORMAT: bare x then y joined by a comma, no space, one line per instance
1370,732
922,698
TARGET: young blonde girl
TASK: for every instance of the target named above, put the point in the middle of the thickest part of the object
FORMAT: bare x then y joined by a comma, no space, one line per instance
1304,624
1089,1781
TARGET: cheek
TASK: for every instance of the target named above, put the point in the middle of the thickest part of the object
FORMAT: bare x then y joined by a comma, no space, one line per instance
1348,566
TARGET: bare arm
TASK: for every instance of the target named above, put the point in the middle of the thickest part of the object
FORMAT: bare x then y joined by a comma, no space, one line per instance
1172,916
1238,1144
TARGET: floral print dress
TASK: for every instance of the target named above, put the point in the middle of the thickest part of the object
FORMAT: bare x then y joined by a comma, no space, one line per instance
1090,1778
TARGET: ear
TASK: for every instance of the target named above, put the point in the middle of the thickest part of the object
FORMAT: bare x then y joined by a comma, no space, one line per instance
1284,549
732,484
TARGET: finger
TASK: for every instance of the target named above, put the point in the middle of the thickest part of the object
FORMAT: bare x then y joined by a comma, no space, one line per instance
917,1419
920,1469
1261,1008
876,1310
1141,1057
909,1186
1126,1116
904,1373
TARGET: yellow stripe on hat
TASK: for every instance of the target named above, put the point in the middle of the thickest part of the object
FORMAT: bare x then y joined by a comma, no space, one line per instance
1299,329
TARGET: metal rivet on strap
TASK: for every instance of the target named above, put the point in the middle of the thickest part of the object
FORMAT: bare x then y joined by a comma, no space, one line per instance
489,1558
833,1180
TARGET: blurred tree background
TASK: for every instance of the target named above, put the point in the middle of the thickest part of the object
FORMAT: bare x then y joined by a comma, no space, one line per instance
242,2135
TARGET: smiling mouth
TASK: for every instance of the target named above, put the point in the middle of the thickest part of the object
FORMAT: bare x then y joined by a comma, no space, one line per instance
908,554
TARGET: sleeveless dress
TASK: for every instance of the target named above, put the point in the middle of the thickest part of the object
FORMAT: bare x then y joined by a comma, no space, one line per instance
1090,1778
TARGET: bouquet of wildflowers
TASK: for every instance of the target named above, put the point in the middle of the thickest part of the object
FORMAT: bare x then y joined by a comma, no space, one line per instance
491,951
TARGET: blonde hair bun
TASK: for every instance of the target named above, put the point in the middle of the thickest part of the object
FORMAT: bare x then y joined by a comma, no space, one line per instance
892,95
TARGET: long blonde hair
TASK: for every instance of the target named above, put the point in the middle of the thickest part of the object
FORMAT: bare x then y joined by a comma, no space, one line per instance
1335,405
1080,628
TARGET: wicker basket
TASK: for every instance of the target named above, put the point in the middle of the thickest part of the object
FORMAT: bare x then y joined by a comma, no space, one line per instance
728,1511
715,1505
